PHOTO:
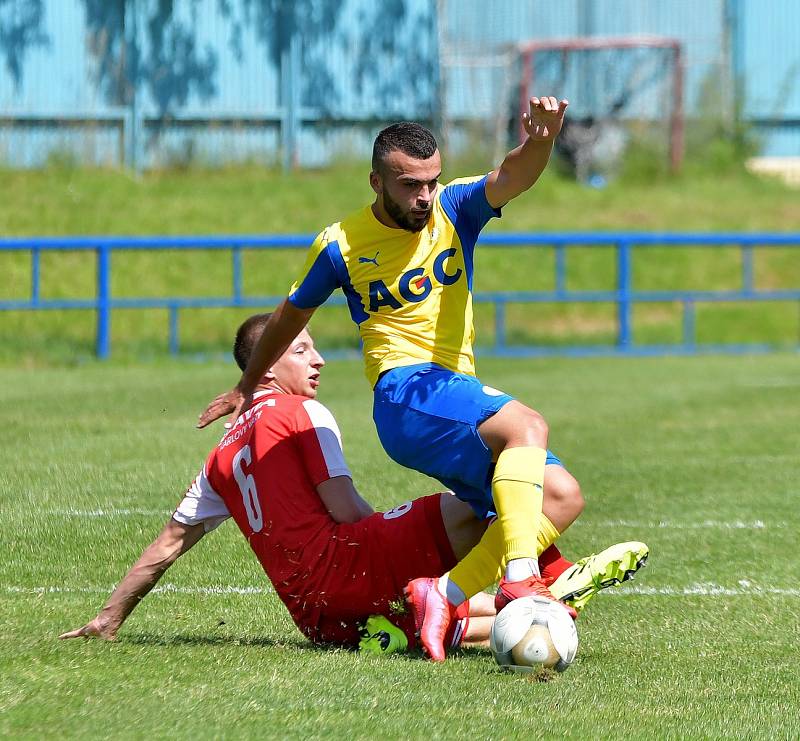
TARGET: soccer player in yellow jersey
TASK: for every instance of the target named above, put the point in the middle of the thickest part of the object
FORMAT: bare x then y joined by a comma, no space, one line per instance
405,264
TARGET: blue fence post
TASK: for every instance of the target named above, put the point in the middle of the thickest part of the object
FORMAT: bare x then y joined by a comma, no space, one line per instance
173,329
236,254
561,267
623,294
499,324
103,333
35,275
689,332
747,267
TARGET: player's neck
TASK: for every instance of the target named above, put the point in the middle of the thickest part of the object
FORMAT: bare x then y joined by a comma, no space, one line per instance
380,213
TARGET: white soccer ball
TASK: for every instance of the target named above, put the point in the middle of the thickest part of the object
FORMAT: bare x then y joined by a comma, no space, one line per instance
534,632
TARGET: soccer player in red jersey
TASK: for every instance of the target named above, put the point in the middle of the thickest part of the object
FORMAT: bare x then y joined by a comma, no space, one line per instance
337,565
280,473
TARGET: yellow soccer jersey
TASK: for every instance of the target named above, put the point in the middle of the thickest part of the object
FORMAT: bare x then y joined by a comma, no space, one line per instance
409,293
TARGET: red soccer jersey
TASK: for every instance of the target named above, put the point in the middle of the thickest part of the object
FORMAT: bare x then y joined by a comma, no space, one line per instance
331,577
266,469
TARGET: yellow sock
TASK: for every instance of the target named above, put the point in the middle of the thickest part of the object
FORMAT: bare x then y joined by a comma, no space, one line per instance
517,489
482,565
546,534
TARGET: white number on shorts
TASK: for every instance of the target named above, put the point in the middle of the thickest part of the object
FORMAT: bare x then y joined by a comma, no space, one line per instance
398,511
247,485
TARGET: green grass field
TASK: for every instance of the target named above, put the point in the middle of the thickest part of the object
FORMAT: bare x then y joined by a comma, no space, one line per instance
698,457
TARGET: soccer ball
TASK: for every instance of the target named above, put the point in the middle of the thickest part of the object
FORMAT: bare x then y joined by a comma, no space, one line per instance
534,632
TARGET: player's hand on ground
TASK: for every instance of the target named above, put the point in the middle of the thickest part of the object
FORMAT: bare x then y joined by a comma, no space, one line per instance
233,402
94,629
544,119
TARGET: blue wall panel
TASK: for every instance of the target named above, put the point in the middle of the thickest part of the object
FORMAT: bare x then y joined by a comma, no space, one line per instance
304,81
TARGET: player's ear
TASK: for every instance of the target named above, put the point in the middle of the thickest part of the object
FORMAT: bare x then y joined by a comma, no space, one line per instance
376,182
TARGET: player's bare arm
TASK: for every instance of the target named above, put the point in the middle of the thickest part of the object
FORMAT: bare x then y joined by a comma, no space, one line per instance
343,502
173,541
522,166
283,326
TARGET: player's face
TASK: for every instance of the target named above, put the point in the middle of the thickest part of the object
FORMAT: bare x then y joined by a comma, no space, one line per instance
297,370
406,188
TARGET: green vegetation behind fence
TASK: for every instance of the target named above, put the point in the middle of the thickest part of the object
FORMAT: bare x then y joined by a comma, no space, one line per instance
252,200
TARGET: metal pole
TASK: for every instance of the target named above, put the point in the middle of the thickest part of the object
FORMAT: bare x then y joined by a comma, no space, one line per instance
499,324
747,268
689,332
173,330
290,99
35,262
236,253
623,295
132,123
561,267
103,332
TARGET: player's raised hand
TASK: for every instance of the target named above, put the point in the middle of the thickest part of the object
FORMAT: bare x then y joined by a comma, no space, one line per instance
233,402
96,628
544,119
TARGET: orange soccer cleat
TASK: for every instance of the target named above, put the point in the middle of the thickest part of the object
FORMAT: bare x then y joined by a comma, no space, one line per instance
533,586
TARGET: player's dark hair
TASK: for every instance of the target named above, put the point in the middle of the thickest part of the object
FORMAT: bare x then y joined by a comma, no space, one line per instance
247,336
410,138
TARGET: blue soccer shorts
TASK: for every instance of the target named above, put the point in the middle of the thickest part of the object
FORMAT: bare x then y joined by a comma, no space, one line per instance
427,419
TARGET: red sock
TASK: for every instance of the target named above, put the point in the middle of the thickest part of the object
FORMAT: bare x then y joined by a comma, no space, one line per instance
552,564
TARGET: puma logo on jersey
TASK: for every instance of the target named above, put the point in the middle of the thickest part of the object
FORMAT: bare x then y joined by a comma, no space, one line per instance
381,295
373,260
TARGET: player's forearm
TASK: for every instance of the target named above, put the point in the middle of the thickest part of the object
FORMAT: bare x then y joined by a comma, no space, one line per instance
141,578
283,326
520,169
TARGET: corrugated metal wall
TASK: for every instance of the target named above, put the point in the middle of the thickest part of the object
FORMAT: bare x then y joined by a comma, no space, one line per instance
152,82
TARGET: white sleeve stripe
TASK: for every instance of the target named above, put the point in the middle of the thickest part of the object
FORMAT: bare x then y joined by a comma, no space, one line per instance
201,504
329,437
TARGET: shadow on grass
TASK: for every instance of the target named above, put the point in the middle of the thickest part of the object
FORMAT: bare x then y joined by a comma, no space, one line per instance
298,643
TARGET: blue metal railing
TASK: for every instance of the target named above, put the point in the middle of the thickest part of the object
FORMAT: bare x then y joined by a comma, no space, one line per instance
624,296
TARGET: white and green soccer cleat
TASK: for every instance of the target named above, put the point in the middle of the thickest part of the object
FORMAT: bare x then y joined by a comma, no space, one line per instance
609,568
380,636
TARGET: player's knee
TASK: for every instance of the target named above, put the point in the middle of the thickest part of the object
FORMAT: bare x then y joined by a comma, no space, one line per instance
575,497
536,428
562,494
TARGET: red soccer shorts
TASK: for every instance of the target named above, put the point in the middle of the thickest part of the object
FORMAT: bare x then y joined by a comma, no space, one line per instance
382,554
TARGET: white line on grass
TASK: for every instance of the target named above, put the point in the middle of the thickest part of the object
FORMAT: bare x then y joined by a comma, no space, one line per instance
640,524
744,589
707,589
699,525
164,588
109,512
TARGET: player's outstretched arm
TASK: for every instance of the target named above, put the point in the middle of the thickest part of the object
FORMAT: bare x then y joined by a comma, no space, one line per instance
522,166
283,326
173,541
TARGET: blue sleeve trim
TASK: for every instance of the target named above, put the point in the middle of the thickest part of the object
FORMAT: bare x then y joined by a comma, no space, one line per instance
354,301
318,284
466,206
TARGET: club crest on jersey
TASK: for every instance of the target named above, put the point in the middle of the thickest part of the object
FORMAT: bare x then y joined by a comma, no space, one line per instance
414,286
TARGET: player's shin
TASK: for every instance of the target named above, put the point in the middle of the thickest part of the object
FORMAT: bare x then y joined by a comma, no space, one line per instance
517,489
477,570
